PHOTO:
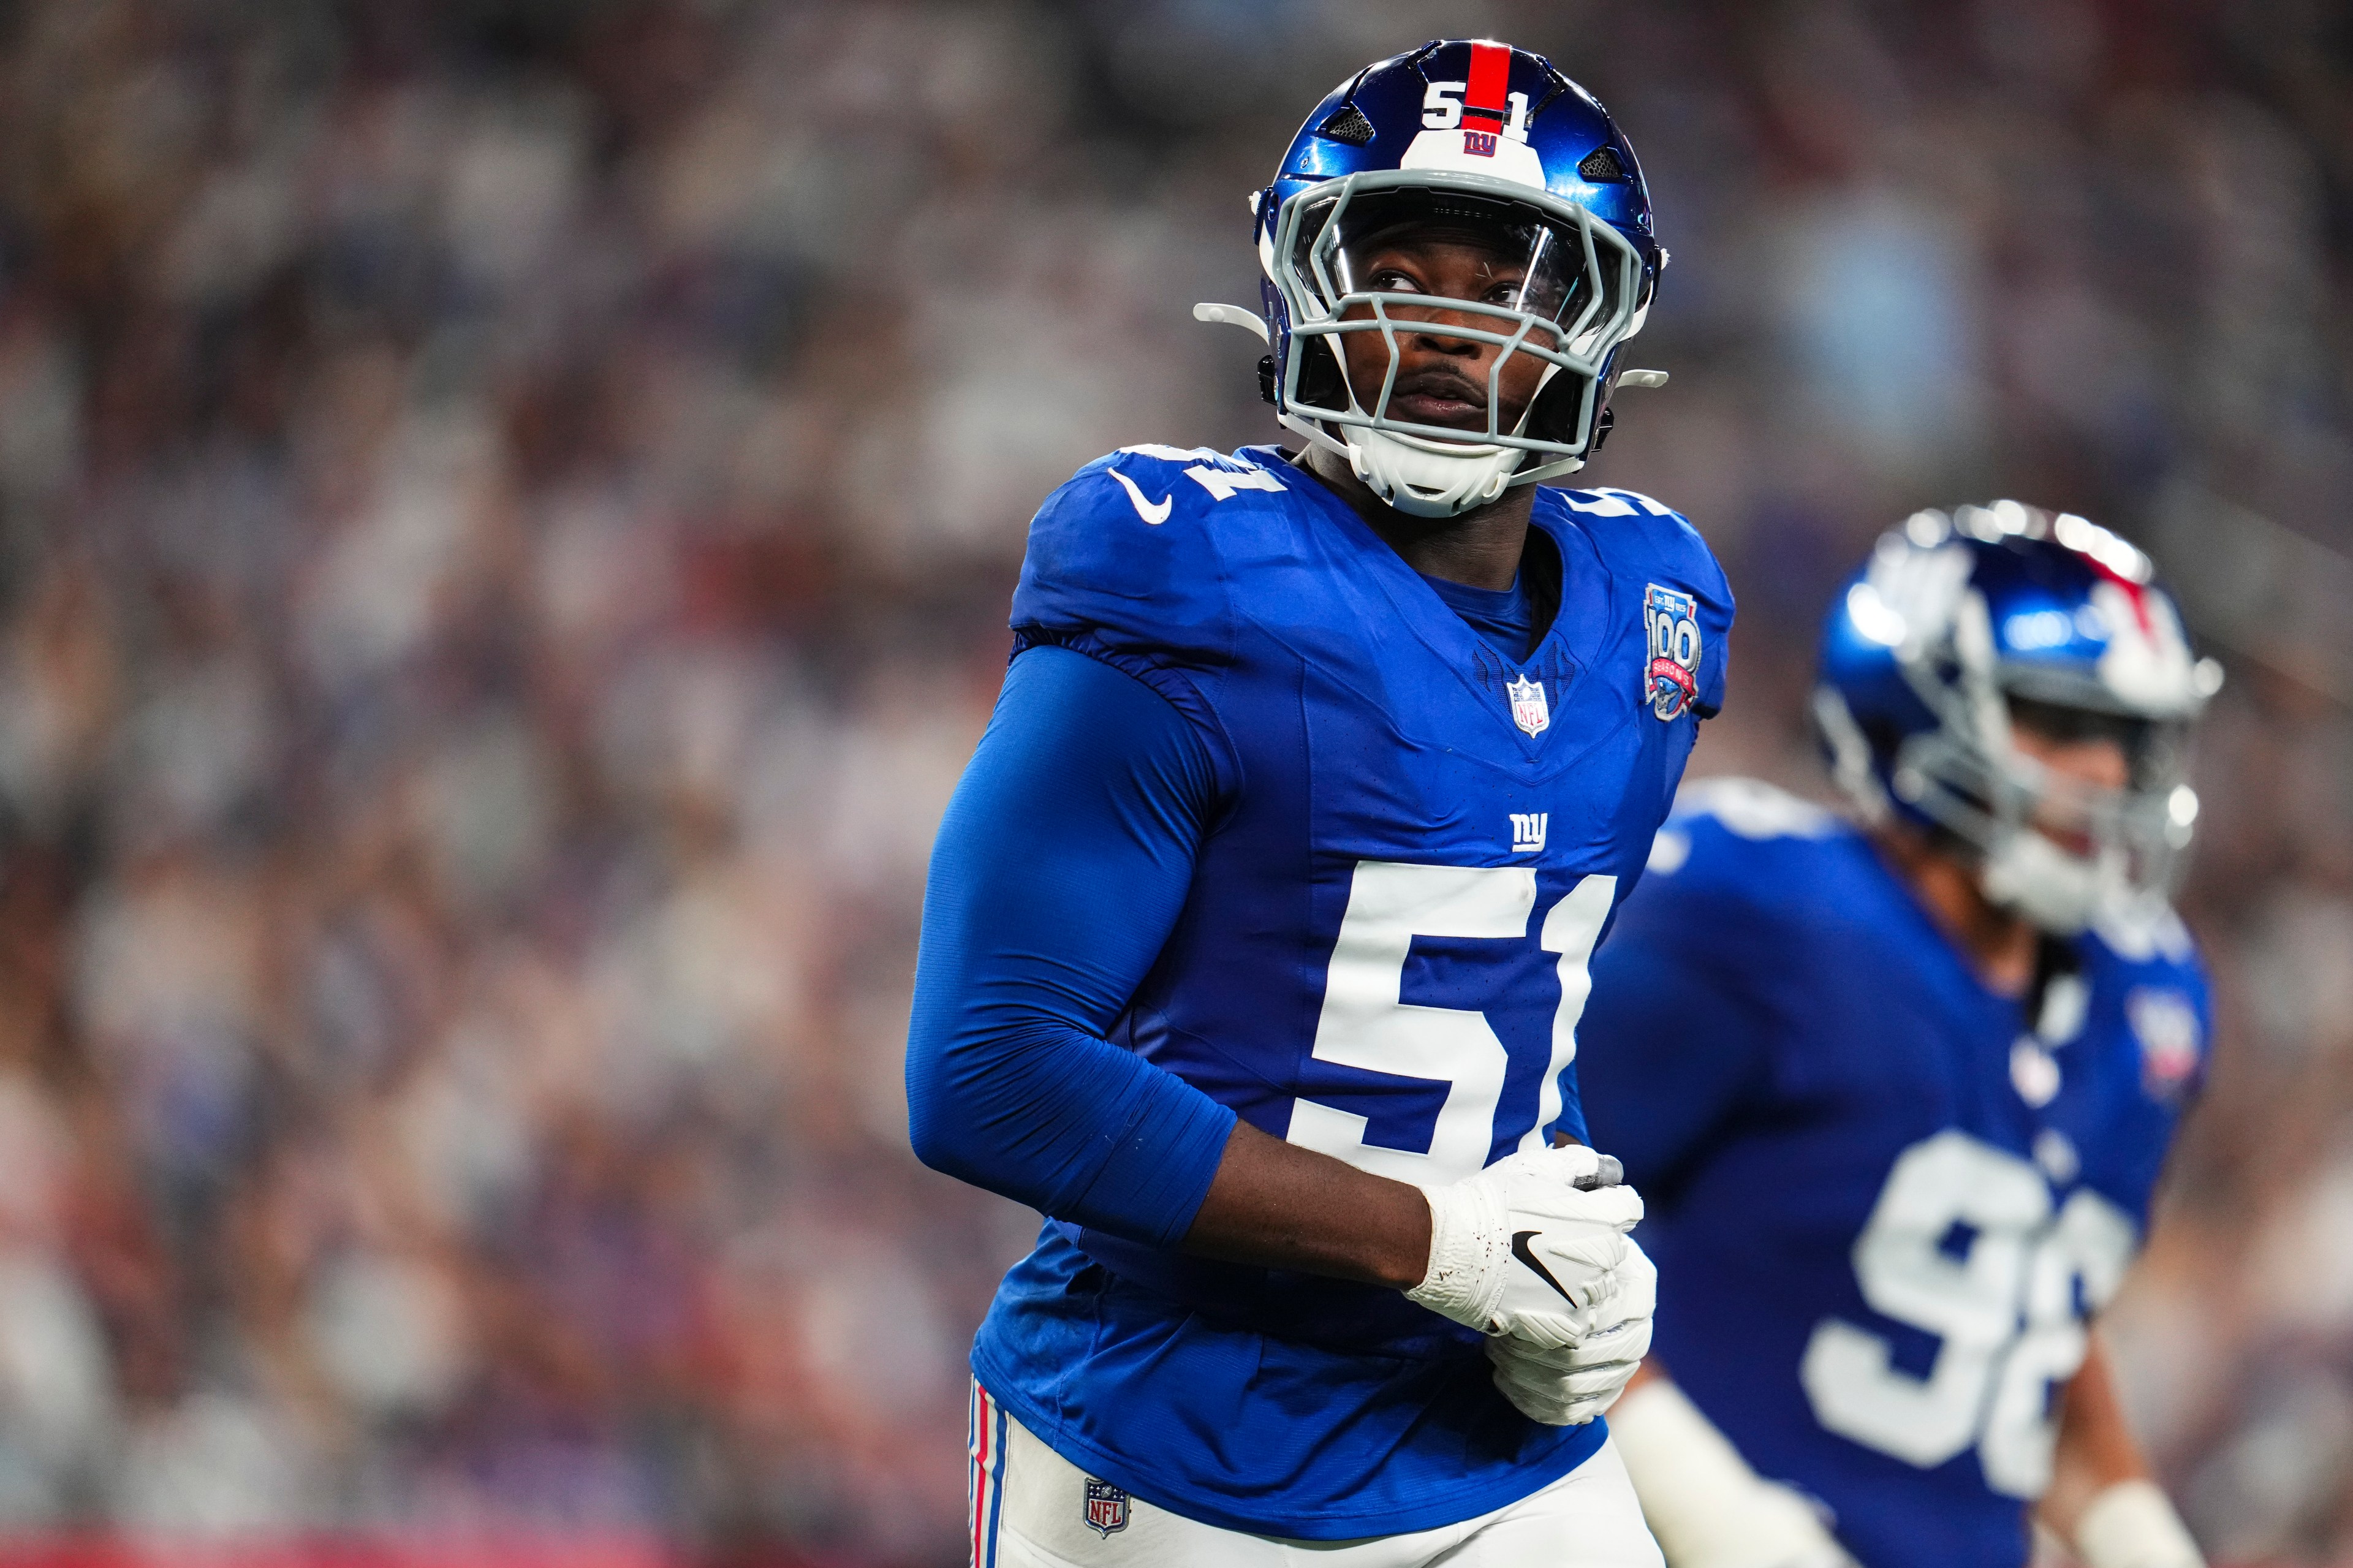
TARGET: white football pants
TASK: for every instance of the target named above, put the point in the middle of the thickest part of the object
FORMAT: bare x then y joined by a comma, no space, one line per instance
1030,1507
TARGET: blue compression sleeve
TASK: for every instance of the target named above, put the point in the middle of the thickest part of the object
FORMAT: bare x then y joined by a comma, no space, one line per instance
1062,865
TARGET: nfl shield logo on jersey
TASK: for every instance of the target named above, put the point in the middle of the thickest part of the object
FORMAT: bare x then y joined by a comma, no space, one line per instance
1106,1508
1529,709
1672,678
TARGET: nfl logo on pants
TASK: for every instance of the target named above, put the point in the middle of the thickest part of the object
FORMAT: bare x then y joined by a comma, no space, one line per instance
1106,1508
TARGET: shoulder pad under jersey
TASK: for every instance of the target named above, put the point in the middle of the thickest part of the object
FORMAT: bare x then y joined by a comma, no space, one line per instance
1635,533
1128,552
1738,854
1656,552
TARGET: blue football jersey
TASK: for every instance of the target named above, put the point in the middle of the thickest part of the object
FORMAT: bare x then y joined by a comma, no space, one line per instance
1883,1202
1383,956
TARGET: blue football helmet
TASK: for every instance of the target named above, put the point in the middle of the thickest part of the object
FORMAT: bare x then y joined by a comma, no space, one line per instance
1467,134
1963,624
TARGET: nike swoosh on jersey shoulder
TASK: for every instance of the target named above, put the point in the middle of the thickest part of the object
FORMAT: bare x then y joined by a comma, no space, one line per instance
1162,481
1154,513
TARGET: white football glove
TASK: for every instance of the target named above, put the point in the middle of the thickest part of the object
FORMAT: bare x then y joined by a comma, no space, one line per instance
1570,1385
1521,1250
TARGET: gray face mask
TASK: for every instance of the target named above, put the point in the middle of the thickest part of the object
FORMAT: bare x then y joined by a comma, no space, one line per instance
2020,817
1573,300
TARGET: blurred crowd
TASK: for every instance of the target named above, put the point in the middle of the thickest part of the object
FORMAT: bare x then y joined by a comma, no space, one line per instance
506,514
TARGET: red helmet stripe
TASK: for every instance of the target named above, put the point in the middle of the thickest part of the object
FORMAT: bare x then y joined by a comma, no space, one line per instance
2136,592
1491,74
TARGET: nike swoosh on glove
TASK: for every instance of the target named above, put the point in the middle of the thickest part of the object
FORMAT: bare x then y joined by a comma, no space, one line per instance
1520,1249
1570,1384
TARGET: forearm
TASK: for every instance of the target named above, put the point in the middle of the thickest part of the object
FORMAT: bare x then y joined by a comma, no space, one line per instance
2095,1447
1705,1504
2101,1500
1274,1204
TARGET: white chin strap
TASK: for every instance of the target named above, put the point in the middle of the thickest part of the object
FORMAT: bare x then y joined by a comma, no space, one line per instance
1430,478
2056,892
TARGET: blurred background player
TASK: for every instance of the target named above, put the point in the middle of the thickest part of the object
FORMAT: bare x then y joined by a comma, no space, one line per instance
1257,931
1898,1092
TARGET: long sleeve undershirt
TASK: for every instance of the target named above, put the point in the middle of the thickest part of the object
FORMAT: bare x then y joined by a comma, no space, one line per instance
1062,865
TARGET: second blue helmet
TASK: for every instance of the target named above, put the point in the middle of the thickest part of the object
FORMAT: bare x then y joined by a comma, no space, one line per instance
1963,625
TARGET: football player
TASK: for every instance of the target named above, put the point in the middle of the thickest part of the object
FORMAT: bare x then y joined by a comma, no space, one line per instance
1257,932
1897,1090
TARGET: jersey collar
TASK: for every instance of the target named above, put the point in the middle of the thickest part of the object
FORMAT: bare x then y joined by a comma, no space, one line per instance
1582,629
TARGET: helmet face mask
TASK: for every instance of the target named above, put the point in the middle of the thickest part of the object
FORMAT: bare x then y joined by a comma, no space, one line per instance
2014,684
1576,286
2056,847
1485,145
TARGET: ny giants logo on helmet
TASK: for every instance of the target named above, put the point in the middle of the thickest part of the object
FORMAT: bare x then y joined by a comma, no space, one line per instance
1672,678
1480,113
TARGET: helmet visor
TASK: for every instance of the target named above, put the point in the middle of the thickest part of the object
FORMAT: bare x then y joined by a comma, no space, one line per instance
1417,247
2152,750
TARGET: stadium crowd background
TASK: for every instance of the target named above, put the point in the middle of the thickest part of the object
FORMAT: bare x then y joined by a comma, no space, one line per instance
506,512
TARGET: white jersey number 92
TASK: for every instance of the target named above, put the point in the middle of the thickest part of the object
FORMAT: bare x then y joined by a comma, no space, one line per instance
1963,1245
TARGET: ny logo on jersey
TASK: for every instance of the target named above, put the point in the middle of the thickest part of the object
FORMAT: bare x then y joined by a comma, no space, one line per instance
1106,1508
1671,681
1528,831
1529,709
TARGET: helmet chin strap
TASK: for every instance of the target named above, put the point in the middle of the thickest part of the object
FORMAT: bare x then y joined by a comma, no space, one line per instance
1430,478
2044,885
1423,478
1427,478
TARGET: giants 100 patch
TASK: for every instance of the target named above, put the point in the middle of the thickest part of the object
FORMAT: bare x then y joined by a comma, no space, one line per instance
1671,679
